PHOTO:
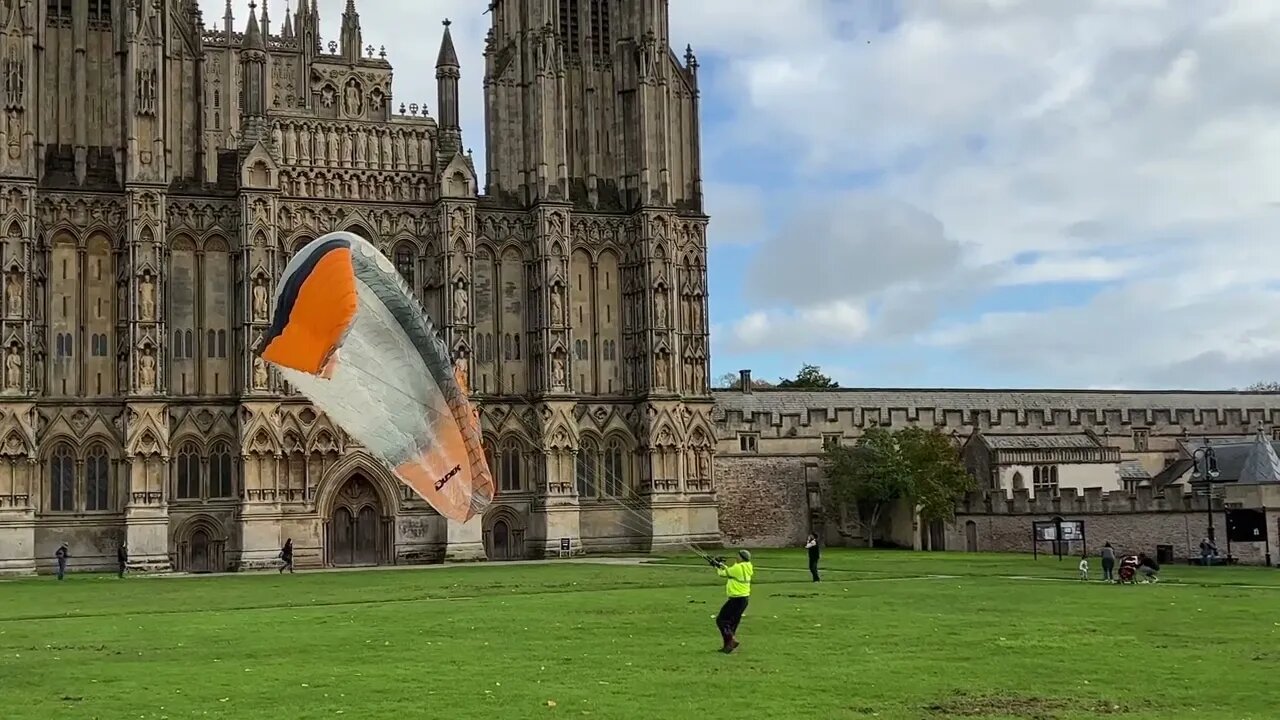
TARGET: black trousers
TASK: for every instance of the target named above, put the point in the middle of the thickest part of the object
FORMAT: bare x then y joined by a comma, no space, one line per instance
730,615
813,567
1108,566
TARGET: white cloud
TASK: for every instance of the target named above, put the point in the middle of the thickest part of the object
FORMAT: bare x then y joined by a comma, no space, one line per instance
1128,142
825,326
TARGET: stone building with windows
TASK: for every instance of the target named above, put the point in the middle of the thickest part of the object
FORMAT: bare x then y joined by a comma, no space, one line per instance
1119,460
160,168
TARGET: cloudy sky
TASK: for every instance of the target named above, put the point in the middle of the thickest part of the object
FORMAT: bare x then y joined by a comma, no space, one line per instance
991,193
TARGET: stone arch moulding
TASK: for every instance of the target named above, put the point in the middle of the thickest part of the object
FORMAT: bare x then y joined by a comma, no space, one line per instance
384,483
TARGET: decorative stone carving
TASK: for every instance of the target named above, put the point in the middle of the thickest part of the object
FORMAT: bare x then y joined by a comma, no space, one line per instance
353,99
259,300
147,299
259,373
558,374
662,370
13,292
557,305
660,308
460,310
13,368
15,82
147,370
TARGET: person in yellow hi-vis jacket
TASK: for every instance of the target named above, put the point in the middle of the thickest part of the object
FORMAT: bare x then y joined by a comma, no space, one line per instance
738,588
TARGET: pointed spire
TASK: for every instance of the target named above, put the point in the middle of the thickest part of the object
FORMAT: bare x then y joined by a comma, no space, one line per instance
350,37
252,33
1262,465
286,30
228,15
266,19
448,57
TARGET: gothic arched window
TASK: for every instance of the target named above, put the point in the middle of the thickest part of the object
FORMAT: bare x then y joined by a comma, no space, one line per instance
62,479
587,469
512,460
97,479
614,473
188,472
220,478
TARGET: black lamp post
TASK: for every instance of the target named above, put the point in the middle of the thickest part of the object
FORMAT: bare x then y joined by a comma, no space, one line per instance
1205,468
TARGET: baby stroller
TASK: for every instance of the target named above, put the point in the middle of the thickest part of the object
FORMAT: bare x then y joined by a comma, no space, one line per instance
1128,572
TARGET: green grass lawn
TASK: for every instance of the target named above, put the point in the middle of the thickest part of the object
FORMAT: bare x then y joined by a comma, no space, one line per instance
881,636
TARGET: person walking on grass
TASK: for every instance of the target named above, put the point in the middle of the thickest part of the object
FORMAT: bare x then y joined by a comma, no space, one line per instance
61,556
738,590
812,546
1108,563
1084,566
286,555
122,558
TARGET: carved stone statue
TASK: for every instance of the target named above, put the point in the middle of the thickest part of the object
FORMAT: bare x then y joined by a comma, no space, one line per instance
277,140
260,300
13,369
13,294
353,103
661,367
460,310
660,308
362,143
147,299
147,370
304,144
259,373
558,370
557,305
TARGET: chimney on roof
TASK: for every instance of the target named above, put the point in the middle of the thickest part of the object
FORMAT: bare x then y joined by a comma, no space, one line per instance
744,378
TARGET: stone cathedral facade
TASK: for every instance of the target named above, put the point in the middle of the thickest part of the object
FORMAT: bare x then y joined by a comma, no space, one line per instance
159,169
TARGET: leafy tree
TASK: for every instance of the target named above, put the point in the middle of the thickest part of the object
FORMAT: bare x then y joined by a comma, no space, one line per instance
911,464
810,377
1266,386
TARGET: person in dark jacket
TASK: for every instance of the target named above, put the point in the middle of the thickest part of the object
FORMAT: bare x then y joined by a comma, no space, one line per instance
1108,563
812,546
286,554
122,558
61,556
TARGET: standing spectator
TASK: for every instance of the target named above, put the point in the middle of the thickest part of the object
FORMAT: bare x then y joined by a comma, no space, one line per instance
1108,562
812,546
61,556
122,558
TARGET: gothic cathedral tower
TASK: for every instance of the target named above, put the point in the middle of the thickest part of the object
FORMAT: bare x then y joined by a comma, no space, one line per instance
156,175
594,187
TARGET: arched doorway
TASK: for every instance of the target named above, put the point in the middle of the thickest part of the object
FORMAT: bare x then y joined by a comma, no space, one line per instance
358,533
503,532
971,536
201,547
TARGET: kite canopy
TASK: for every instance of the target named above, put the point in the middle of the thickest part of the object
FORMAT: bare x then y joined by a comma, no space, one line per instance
349,334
